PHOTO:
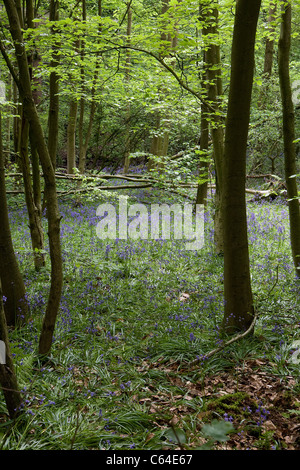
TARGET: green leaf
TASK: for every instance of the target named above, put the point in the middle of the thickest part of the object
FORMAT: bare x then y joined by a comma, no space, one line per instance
218,430
177,435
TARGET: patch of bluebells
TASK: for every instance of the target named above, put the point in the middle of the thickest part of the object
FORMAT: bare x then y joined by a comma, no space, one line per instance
126,385
192,337
227,417
34,401
260,414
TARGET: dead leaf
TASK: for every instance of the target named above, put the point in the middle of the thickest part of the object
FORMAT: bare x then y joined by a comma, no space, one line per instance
184,296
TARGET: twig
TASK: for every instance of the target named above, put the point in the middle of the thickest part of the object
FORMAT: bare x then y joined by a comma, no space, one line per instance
76,428
224,345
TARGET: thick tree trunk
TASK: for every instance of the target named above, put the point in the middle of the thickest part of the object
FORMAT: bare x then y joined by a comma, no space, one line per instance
238,310
288,118
16,307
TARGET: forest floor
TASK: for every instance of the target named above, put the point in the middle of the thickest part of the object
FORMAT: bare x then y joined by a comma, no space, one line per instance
134,316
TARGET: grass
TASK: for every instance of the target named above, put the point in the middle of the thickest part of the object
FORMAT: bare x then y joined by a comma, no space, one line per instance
119,375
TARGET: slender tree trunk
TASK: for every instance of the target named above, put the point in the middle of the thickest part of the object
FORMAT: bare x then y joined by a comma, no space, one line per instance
269,55
201,197
288,118
34,213
238,310
127,79
16,120
8,379
71,137
214,92
8,118
84,140
270,42
32,186
36,182
16,307
160,141
39,142
53,114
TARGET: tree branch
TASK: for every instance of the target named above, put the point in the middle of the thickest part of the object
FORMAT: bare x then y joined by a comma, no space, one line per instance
169,69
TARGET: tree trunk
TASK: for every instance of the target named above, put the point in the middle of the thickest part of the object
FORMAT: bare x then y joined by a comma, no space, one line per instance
201,197
288,118
39,142
16,307
214,92
269,55
160,141
8,379
32,187
34,213
71,137
8,118
84,140
53,89
127,79
238,310
269,50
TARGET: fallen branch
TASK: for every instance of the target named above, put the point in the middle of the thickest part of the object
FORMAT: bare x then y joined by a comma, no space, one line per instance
224,345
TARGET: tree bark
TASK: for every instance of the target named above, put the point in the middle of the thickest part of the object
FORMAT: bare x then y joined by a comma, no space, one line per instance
34,213
269,56
39,142
238,310
201,197
213,64
288,119
8,378
85,139
16,307
127,79
32,186
71,137
270,42
53,113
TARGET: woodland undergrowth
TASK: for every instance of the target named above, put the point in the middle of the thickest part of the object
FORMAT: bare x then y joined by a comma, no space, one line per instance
134,316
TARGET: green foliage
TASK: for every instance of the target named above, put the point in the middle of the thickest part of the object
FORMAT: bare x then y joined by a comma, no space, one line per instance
217,430
114,379
125,329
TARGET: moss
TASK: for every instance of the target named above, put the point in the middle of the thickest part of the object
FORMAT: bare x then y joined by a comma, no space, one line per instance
234,403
